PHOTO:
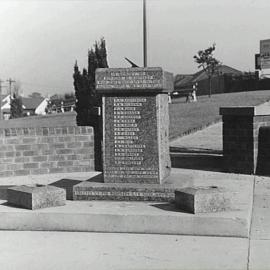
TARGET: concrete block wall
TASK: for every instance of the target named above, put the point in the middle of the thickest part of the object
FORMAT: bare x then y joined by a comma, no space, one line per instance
240,137
40,150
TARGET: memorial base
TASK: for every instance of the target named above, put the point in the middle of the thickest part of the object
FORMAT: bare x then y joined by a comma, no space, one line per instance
87,191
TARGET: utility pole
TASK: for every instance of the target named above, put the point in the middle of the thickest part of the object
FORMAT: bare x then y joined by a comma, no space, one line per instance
144,35
10,81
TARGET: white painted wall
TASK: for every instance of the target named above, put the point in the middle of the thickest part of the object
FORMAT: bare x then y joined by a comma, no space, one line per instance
6,103
42,106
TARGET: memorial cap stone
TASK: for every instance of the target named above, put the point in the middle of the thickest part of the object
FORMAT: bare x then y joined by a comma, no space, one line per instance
135,124
132,80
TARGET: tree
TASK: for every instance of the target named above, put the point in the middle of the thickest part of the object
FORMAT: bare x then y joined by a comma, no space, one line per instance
208,63
35,95
17,88
88,102
68,96
84,84
16,109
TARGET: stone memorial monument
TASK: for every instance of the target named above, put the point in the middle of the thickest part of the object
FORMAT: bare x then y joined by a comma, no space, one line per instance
136,158
136,124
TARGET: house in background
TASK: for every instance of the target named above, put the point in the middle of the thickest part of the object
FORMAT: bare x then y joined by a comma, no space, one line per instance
31,106
5,106
58,104
184,82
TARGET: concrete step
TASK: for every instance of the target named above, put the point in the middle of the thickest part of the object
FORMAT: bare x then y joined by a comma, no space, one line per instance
142,217
125,217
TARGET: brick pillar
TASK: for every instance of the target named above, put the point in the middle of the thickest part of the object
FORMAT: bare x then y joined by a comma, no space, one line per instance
263,163
240,136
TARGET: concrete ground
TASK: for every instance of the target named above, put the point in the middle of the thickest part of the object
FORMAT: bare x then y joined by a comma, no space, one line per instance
87,250
84,250
141,217
64,250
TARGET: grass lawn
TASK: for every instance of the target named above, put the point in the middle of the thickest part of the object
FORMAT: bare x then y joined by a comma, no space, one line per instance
185,117
49,120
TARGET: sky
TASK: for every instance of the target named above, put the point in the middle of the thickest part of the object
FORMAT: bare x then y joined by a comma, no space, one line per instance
41,40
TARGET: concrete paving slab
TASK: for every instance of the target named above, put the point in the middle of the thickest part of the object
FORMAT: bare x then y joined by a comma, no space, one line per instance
58,251
262,185
260,224
141,217
262,201
259,258
261,209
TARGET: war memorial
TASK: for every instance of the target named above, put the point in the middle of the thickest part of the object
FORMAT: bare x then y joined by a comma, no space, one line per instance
136,136
136,190
136,158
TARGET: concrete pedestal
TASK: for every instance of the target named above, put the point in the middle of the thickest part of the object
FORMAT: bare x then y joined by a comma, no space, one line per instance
36,197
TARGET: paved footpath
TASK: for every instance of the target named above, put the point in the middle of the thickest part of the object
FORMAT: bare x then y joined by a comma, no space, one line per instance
81,250
65,250
209,138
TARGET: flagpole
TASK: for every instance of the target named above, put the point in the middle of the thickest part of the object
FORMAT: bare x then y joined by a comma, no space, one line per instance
144,35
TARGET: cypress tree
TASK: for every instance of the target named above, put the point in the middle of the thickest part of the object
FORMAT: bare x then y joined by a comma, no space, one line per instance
88,102
16,108
84,84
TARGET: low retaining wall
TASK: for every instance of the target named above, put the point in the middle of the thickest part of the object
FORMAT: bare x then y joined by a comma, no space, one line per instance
40,150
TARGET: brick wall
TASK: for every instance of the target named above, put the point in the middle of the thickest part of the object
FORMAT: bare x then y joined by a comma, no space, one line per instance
38,150
259,122
240,138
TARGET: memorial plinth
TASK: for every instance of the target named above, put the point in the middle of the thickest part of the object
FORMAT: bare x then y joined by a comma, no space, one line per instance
135,124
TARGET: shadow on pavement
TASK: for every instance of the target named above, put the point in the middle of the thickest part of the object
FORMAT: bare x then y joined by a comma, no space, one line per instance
197,159
3,191
97,178
169,207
